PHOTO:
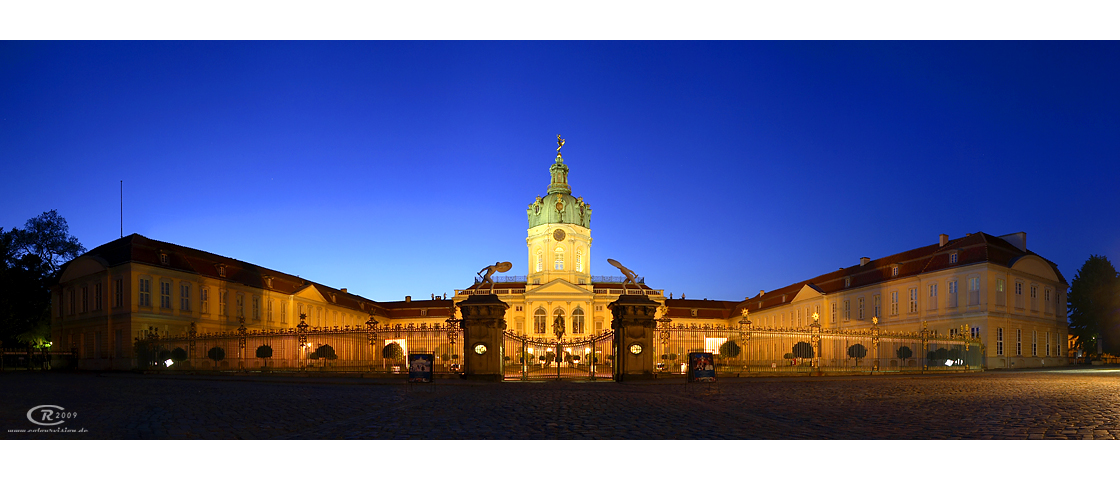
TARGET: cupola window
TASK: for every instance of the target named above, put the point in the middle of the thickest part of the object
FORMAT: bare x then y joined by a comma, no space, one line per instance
559,264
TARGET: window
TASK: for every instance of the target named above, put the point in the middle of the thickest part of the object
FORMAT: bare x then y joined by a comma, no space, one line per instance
223,297
423,312
539,319
1001,294
579,260
72,306
894,271
240,305
204,300
540,261
1047,303
577,321
877,305
163,259
1034,343
118,292
1034,298
221,270
283,312
974,291
164,294
894,302
145,292
859,308
975,332
256,307
847,310
951,302
518,308
834,318
1047,343
1018,342
559,263
847,282
953,257
932,297
1018,294
598,308
913,300
85,299
185,297
999,341
97,296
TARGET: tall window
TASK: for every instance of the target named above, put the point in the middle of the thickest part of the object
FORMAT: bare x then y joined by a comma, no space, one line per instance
223,298
932,301
1018,294
240,305
283,312
185,297
1034,298
540,261
269,310
953,257
847,310
1034,343
974,291
999,341
951,302
1047,343
833,312
878,305
145,292
1046,301
85,299
256,307
894,271
913,300
164,294
559,264
72,308
578,321
1018,342
539,321
204,300
97,296
894,302
118,292
859,308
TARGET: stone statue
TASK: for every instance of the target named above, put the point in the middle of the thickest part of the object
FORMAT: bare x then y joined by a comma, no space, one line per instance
500,267
559,143
631,277
558,325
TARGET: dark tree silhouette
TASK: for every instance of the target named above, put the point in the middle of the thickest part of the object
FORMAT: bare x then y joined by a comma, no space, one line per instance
729,349
904,352
1094,309
857,351
265,352
216,354
179,355
802,350
29,260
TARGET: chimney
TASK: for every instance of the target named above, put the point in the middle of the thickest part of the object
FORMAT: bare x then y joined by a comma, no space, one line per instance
408,298
1019,240
344,290
761,292
942,240
863,261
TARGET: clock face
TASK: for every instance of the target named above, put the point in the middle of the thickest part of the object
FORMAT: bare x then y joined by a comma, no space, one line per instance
635,348
559,234
480,348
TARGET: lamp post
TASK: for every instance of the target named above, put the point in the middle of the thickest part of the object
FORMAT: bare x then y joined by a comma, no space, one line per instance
875,342
371,336
302,330
816,326
241,343
745,337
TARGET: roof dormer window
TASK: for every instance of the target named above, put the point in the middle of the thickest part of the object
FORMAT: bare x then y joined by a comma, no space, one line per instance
268,281
894,270
221,270
847,282
164,259
953,258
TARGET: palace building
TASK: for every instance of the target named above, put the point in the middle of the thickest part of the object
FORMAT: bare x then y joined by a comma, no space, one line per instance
980,286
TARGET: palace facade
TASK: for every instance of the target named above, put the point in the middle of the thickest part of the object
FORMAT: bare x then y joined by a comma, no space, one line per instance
981,286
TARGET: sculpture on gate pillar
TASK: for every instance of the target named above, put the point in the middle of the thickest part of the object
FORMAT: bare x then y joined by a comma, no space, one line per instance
631,277
500,267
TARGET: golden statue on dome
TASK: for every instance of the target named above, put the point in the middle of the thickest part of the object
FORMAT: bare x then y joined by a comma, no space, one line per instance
559,144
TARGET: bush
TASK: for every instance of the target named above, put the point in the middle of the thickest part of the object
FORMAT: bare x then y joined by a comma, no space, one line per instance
857,351
729,349
164,356
802,350
904,352
392,351
179,355
264,351
326,352
216,354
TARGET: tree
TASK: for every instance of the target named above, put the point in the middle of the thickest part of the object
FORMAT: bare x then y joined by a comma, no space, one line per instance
392,351
265,352
904,352
1094,311
29,260
729,349
216,354
179,355
48,238
857,351
802,350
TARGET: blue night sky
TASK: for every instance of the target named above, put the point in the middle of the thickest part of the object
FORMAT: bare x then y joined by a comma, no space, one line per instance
714,169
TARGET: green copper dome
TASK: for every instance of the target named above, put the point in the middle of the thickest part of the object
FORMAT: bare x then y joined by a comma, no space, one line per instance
559,206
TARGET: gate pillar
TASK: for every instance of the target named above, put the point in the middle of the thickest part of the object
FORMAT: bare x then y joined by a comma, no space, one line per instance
633,336
484,324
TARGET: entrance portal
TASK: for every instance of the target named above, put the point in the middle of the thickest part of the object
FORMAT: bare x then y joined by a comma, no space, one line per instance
538,358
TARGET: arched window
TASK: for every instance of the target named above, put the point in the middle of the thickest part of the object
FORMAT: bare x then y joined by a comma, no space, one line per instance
539,319
540,261
577,321
579,260
559,259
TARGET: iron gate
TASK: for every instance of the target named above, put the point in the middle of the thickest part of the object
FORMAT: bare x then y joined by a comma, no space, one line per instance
539,358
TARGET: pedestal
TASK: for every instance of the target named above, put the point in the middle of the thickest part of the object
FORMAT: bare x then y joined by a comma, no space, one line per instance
484,326
633,326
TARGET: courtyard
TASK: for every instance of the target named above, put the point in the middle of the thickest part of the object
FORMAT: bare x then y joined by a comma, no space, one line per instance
1068,403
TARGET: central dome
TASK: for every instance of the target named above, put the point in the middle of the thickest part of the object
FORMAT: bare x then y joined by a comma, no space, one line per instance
559,206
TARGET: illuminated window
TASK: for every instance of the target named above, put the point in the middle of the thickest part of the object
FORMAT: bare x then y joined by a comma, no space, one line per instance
859,308
578,321
894,271
894,302
204,300
579,260
539,320
913,300
559,263
953,257
164,294
540,261
256,307
877,304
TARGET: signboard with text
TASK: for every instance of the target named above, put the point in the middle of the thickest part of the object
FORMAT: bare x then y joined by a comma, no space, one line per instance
420,367
701,367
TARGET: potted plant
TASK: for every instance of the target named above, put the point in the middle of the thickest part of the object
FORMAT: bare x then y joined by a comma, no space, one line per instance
179,356
216,354
264,352
857,351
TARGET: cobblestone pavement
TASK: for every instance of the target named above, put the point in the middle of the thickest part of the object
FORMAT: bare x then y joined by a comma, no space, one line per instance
1041,404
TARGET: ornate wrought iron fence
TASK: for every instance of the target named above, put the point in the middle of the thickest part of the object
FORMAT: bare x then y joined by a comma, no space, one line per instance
813,350
576,358
333,349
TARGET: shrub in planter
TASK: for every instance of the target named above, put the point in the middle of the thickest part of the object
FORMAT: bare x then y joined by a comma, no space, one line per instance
802,350
857,351
216,354
265,352
179,355
904,352
729,349
326,352
393,351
